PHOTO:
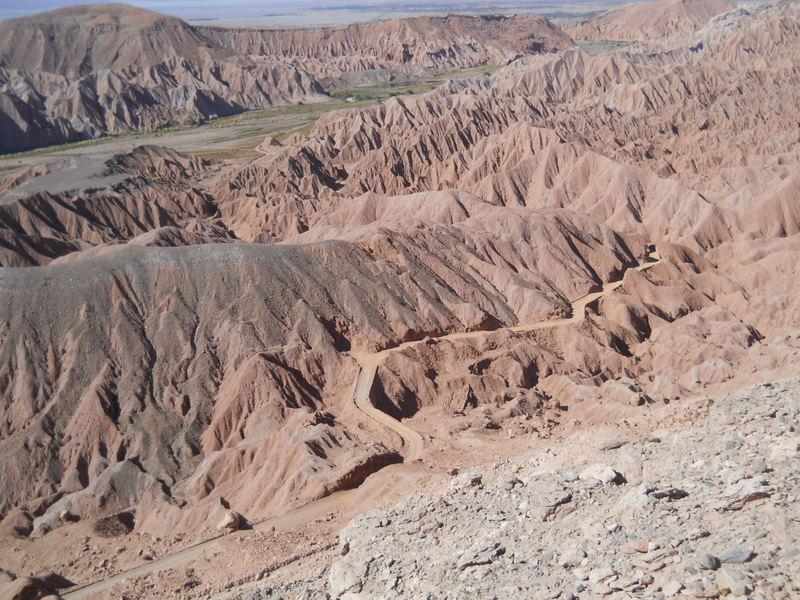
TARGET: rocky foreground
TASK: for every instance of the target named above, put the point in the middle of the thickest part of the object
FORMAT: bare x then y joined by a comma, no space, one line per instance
705,511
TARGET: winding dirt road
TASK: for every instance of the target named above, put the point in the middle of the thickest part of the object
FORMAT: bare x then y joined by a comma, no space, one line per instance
413,443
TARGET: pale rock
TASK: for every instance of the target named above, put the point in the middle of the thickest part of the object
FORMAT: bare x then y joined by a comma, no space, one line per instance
671,588
708,562
231,521
785,448
601,574
639,545
602,473
737,555
346,576
572,557
731,582
480,553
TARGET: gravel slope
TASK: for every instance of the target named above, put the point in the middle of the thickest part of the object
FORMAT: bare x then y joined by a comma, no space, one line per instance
705,511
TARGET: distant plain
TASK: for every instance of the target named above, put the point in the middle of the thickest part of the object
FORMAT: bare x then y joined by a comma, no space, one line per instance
305,13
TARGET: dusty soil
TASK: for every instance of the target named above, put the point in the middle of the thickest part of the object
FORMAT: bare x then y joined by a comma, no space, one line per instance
246,332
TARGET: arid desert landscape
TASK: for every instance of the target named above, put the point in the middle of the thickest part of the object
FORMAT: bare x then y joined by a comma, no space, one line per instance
444,306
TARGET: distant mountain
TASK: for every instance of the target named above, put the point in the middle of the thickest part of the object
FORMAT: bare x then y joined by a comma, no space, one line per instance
80,40
649,20
87,71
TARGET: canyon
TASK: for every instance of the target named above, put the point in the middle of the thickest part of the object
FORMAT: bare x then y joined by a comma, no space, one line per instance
402,313
87,71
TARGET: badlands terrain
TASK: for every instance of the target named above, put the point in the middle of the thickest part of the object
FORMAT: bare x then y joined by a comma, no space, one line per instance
532,333
86,71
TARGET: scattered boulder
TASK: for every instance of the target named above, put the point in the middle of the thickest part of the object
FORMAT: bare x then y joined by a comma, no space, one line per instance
472,479
640,545
738,494
732,582
481,553
346,575
670,493
548,495
602,473
509,483
785,448
67,517
671,588
232,521
737,555
119,524
572,557
708,562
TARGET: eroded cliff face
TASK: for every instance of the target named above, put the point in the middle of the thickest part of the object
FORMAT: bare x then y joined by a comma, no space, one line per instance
648,142
40,109
149,196
193,361
82,72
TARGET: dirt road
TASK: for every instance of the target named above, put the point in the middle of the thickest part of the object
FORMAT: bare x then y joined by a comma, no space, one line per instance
413,444
412,441
289,520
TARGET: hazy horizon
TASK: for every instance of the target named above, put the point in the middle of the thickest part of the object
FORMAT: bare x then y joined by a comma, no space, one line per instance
319,12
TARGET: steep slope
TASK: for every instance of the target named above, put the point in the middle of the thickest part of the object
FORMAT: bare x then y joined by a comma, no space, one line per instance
638,140
404,46
131,194
566,132
38,108
648,20
227,350
79,40
725,533
144,368
86,71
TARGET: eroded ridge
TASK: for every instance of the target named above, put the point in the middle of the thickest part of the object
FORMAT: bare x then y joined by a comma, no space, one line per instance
413,445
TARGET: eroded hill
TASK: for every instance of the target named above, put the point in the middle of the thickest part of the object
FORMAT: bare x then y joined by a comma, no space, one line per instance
86,71
183,337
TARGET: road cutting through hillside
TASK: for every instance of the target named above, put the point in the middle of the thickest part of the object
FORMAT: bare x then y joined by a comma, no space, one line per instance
413,443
